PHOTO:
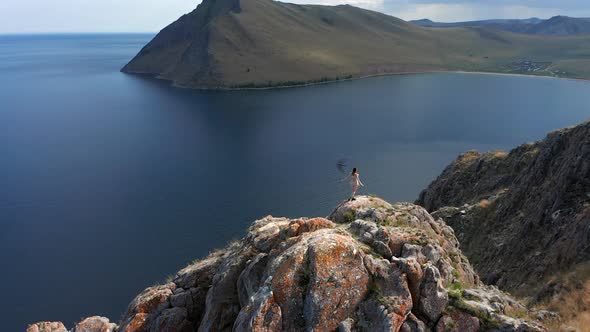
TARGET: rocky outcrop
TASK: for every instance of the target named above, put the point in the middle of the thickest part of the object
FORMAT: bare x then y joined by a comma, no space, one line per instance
521,217
47,327
370,266
90,324
95,324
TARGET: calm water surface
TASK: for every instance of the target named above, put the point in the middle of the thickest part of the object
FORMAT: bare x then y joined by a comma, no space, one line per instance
111,182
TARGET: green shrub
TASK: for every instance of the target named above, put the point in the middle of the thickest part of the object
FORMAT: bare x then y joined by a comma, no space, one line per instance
350,216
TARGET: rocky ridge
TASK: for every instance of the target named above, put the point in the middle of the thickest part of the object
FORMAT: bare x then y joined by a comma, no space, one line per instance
554,26
370,266
523,217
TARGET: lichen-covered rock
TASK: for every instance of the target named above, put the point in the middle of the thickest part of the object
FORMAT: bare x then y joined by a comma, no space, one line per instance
346,325
362,207
522,217
300,226
457,321
145,306
390,268
390,302
338,281
95,324
414,274
175,306
90,324
495,310
222,303
413,324
47,327
433,296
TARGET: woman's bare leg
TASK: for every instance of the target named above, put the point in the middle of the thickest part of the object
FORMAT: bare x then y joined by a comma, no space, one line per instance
354,189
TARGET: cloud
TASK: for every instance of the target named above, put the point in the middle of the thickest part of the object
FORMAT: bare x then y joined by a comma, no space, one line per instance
367,4
464,10
153,15
453,12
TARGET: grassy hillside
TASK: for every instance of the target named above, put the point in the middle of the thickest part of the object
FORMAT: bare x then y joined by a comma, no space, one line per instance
519,26
555,26
259,43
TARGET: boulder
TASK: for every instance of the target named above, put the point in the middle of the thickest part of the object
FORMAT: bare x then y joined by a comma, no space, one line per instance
457,321
390,302
47,327
433,296
95,324
149,302
413,324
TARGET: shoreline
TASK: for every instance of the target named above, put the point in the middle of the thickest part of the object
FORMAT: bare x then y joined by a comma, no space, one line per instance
221,88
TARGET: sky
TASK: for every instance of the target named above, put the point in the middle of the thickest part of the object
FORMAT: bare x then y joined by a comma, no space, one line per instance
42,16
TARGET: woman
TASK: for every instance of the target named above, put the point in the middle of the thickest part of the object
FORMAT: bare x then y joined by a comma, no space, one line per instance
355,181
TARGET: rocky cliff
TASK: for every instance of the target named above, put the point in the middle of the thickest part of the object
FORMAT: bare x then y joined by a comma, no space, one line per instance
523,217
370,266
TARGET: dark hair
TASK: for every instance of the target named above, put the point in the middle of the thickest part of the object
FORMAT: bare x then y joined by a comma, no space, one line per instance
354,170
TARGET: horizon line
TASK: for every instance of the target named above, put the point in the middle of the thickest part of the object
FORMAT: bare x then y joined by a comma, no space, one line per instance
77,33
24,33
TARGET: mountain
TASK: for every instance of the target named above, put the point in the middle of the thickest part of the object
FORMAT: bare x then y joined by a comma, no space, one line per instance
557,26
265,43
562,26
371,266
518,26
523,218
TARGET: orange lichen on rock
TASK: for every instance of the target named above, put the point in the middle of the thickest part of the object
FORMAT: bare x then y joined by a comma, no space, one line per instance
386,270
143,305
338,282
300,226
457,321
47,327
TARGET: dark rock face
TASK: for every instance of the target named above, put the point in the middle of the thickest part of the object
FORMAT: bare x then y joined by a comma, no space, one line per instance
522,216
395,270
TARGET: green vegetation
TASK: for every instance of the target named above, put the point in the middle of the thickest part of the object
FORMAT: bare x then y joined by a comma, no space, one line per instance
517,312
275,44
373,289
284,84
388,221
170,278
488,321
350,216
456,290
368,250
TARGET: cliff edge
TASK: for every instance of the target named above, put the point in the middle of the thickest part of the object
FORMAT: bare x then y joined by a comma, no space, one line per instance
523,218
370,266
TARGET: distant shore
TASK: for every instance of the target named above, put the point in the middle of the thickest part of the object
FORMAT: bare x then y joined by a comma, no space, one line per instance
330,81
516,74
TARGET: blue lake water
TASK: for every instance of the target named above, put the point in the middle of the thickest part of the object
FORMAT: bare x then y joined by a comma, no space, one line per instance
111,182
